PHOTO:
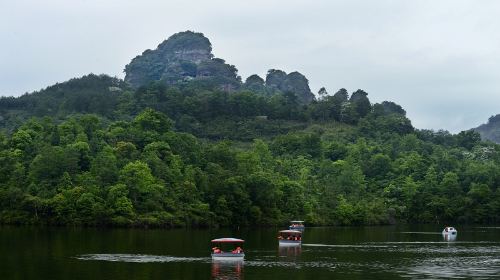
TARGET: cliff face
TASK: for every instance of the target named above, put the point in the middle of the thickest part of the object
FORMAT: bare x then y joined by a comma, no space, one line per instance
183,56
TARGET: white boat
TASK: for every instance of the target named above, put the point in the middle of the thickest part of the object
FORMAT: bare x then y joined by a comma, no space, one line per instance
449,237
221,244
290,238
297,225
449,231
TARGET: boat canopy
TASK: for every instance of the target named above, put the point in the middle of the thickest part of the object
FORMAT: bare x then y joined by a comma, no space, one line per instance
228,240
291,231
296,222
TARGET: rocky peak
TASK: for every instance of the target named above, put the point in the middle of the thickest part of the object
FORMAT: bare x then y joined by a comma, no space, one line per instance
293,82
188,46
183,56
255,84
187,56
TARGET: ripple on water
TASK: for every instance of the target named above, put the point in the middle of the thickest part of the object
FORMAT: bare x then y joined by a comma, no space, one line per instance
480,267
478,260
421,232
489,227
346,245
434,242
138,258
330,264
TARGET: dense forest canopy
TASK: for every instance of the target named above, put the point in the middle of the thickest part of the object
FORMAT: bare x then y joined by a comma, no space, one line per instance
99,151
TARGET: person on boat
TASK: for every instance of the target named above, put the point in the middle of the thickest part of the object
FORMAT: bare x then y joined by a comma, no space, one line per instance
238,250
216,250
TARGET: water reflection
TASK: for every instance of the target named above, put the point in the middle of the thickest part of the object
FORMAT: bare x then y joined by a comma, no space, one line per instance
290,252
226,270
330,253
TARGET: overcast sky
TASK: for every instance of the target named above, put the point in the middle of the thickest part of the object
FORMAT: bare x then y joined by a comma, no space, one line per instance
440,60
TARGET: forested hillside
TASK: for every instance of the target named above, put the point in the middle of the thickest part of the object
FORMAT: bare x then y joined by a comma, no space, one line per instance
192,151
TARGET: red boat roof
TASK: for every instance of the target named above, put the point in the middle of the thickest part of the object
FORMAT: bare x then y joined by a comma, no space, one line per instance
228,240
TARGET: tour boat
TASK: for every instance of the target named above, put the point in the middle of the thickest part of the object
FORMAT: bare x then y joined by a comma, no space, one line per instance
449,231
290,238
297,225
231,245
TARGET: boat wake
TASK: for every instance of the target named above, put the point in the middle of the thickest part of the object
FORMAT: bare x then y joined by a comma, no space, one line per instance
347,245
434,242
489,227
138,258
485,266
420,232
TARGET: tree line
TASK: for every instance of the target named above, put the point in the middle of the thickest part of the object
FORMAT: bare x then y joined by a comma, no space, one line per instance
189,155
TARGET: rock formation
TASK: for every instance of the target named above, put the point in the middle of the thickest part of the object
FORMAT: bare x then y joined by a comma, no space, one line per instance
184,56
294,82
187,56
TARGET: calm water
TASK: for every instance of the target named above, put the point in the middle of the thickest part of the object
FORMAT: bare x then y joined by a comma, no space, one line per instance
409,252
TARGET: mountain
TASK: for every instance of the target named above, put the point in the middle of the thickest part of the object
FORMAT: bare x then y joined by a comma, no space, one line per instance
187,56
172,146
491,129
182,57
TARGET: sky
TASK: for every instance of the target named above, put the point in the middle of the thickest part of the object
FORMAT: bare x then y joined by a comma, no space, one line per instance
440,60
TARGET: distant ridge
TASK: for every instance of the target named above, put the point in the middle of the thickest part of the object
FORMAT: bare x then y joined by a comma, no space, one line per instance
491,129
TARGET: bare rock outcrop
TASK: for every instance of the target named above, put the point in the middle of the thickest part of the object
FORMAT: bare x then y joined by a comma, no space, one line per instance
184,56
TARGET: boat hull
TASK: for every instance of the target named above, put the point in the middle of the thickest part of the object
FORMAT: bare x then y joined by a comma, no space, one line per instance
449,237
228,257
290,243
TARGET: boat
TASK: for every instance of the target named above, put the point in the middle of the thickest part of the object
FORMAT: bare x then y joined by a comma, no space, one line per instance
227,249
449,231
297,225
290,238
449,237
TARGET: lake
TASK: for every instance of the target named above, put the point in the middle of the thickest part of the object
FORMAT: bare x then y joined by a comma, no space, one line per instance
390,252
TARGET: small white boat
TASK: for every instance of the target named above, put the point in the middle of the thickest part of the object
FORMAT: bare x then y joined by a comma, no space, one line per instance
297,225
235,254
449,231
449,237
290,238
